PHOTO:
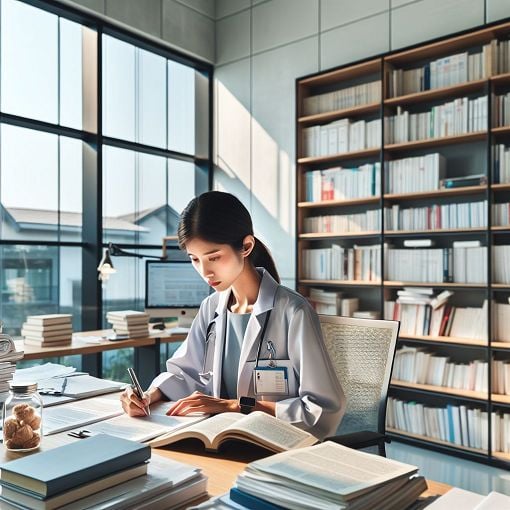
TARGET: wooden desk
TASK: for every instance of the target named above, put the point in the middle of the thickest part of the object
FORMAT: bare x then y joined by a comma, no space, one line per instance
147,351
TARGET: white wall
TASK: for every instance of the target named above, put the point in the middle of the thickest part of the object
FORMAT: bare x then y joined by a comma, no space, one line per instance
262,46
186,24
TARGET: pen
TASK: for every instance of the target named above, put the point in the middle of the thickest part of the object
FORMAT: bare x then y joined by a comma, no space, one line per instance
64,384
137,389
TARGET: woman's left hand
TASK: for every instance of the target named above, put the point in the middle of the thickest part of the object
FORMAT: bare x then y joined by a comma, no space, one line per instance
200,403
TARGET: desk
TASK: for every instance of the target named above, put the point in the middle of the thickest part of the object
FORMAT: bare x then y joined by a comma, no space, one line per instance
147,351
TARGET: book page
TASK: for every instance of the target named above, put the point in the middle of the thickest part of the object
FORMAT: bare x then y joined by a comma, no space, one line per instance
271,430
332,468
494,501
457,498
142,428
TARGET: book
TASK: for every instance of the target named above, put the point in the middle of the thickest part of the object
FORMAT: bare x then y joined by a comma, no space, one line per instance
459,182
34,501
33,328
51,343
418,243
53,471
258,428
50,319
252,502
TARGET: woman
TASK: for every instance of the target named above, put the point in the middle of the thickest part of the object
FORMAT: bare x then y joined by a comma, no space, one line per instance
255,344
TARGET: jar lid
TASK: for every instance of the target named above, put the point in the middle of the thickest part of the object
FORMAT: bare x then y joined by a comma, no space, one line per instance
23,386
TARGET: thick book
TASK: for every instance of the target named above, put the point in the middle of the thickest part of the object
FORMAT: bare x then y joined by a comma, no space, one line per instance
258,428
50,472
50,319
34,501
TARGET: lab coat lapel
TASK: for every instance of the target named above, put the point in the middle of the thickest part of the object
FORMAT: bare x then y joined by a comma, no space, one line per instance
263,305
221,324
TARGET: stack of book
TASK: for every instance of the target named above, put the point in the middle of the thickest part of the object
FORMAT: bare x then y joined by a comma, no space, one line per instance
8,357
48,330
129,322
326,476
99,472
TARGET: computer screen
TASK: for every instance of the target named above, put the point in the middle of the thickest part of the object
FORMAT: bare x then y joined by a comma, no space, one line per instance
173,289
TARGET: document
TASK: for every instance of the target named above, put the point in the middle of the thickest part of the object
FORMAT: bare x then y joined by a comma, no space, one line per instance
143,428
42,372
466,500
77,414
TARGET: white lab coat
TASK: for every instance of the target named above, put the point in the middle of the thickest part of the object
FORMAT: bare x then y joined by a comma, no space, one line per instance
315,401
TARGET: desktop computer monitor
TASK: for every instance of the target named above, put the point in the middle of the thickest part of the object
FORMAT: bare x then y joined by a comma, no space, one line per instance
173,289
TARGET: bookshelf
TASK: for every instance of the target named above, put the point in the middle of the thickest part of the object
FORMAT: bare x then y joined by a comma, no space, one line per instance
406,147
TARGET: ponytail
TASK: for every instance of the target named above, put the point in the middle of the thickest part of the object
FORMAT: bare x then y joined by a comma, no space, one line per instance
261,257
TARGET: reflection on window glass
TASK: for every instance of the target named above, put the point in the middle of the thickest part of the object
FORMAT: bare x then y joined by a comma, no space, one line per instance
70,74
151,99
29,61
39,280
181,108
118,89
29,185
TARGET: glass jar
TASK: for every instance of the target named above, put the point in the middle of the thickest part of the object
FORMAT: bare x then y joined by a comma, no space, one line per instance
22,417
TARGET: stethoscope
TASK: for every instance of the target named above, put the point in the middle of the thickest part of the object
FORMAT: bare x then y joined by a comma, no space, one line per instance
211,335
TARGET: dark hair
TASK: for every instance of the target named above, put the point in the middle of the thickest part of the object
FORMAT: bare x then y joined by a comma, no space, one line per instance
219,217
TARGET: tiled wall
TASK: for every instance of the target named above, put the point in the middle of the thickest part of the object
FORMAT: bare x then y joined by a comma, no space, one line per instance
262,46
186,24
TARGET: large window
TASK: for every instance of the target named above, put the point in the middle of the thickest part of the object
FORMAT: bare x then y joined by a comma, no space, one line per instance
104,137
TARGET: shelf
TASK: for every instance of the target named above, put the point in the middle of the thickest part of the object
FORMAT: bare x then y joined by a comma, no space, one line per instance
355,111
501,456
319,236
434,142
429,95
500,286
473,395
500,345
340,283
502,130
346,73
434,441
339,203
389,283
467,190
505,186
500,399
318,160
500,79
444,339
398,233
505,229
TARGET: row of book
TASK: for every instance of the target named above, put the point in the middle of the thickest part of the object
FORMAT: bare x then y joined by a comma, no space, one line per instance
341,136
501,321
454,424
332,303
362,263
457,117
501,110
468,323
442,72
129,323
501,214
343,183
349,97
102,471
416,174
501,164
48,330
419,366
466,262
501,264
436,216
360,222
500,377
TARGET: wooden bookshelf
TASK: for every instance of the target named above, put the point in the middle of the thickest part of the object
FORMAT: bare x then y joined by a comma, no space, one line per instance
465,154
436,142
439,93
501,456
444,339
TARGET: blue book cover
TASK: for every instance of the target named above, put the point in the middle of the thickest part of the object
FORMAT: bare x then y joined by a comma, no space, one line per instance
252,502
451,432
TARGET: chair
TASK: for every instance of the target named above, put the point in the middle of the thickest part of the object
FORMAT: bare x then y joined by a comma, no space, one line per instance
362,352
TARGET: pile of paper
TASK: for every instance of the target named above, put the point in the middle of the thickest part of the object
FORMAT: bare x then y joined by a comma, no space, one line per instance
129,322
8,357
48,330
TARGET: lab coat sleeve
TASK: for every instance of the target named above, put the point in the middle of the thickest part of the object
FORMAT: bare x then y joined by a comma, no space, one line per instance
181,378
320,403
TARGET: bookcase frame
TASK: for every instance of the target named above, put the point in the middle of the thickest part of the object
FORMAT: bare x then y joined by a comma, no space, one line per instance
447,45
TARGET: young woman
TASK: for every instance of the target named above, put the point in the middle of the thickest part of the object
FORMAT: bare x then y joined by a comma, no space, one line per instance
255,344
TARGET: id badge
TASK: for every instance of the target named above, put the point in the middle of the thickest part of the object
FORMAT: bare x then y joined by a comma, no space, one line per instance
270,381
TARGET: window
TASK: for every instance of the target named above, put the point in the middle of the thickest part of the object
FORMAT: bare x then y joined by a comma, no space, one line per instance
59,166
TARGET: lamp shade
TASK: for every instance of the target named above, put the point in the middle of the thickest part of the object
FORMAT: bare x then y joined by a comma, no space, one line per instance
105,267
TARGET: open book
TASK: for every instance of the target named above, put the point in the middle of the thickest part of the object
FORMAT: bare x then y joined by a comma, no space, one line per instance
258,428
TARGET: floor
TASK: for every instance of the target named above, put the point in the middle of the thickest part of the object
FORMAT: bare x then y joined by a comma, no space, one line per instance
454,471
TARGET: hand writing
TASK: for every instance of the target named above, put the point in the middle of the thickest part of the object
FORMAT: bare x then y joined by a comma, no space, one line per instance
131,404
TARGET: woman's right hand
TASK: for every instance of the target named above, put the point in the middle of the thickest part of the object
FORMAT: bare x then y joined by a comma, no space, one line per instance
134,406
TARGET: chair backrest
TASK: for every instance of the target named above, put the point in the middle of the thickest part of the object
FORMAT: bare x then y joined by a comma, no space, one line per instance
362,352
